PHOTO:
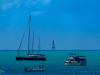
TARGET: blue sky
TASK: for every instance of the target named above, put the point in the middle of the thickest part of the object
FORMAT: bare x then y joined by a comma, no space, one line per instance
73,24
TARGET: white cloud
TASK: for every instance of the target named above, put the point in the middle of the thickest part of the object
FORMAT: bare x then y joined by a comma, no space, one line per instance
6,6
9,4
37,2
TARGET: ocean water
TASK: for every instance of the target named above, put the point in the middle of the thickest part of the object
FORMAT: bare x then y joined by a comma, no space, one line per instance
54,64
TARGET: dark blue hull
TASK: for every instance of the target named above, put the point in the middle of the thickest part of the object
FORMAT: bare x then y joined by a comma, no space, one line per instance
18,58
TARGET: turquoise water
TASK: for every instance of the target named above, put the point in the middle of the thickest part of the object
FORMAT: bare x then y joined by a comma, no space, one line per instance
54,64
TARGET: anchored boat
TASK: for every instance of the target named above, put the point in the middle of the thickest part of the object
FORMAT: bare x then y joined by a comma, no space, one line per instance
75,60
40,68
29,55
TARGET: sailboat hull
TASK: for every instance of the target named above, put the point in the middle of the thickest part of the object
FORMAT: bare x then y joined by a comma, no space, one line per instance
18,58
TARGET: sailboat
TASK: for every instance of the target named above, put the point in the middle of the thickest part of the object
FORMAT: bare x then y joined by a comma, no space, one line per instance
53,45
29,55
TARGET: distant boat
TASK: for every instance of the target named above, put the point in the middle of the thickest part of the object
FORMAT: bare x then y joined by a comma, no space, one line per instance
29,55
75,60
53,45
40,68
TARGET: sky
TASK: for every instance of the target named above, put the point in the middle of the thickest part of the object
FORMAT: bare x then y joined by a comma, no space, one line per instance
73,24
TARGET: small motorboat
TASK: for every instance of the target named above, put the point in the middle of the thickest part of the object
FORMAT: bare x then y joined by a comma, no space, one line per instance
38,69
75,60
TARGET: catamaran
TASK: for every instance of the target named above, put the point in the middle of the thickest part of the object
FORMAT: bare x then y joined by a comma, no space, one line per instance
29,55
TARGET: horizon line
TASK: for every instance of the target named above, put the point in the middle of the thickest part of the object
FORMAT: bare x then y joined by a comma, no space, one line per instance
53,50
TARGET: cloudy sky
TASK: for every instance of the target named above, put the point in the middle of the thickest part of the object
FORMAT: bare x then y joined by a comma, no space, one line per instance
73,24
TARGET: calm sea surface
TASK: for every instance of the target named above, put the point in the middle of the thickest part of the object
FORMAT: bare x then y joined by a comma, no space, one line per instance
54,64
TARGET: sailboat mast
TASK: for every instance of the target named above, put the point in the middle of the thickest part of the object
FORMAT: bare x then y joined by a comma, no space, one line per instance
33,42
39,44
29,35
